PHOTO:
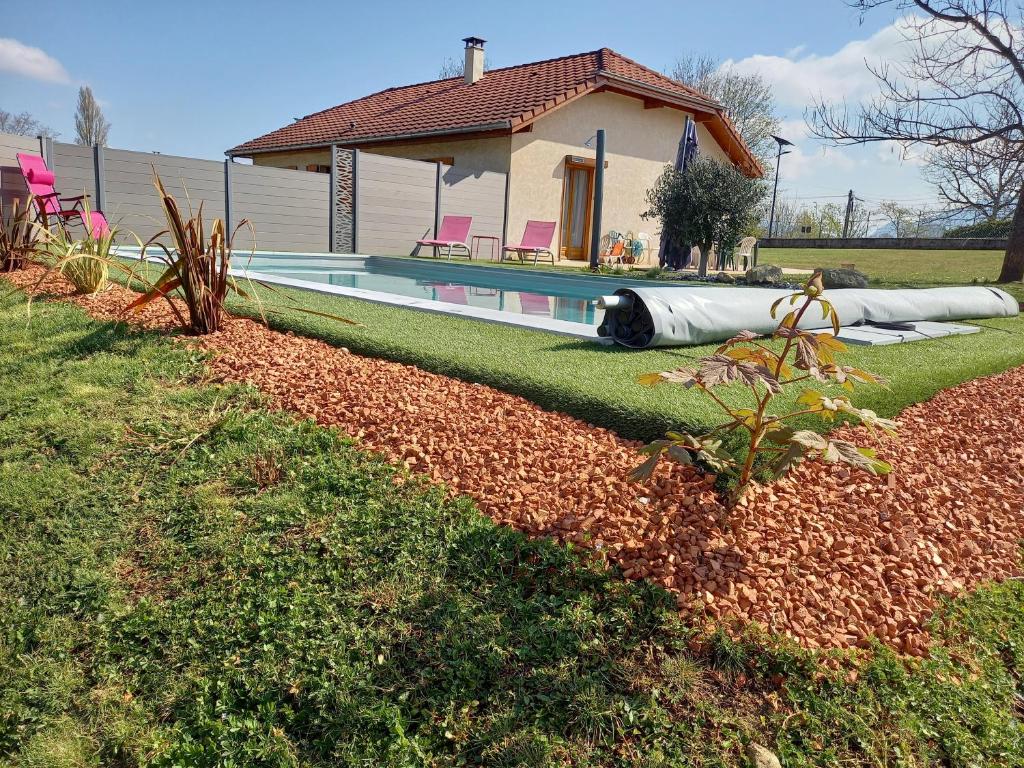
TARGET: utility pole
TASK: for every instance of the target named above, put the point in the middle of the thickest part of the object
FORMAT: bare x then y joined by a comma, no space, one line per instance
849,215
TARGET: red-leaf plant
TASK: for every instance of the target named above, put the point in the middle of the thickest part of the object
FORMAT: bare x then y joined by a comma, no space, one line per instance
745,360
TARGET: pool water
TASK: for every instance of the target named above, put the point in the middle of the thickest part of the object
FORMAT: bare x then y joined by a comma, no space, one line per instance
566,297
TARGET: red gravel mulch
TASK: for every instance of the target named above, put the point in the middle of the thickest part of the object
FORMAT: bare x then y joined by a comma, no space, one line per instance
828,556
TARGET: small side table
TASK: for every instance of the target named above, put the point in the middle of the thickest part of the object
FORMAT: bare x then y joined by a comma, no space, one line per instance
474,245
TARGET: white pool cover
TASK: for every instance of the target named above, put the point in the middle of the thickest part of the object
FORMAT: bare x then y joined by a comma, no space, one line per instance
664,316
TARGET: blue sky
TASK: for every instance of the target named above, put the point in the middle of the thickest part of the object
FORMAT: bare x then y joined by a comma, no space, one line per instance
195,78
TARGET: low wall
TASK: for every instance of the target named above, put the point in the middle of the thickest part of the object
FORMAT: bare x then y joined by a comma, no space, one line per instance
893,243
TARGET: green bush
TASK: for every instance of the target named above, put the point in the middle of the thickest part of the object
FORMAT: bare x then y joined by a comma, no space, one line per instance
998,228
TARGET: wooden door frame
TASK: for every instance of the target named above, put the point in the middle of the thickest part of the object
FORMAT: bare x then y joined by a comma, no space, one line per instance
573,165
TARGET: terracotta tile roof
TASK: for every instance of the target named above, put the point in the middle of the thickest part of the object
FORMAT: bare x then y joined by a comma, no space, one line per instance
502,100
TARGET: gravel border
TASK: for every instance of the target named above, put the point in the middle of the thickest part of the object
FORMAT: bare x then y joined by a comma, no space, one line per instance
828,556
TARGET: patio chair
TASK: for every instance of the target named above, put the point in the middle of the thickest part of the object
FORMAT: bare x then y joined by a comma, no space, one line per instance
48,202
537,239
454,233
694,261
745,250
644,253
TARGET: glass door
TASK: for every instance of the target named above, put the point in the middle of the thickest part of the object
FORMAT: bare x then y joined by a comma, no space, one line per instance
576,207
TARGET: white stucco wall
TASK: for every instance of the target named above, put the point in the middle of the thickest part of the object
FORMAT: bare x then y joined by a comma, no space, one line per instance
639,144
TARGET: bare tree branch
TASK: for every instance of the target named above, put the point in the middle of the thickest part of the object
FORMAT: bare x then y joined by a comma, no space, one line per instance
960,91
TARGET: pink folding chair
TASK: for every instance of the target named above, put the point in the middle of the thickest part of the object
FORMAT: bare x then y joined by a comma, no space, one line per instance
454,233
537,239
49,203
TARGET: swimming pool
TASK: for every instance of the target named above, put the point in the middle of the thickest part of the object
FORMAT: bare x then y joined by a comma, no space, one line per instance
561,297
562,303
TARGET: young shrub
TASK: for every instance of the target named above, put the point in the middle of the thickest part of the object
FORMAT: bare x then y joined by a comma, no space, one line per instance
806,355
197,265
197,268
85,262
19,236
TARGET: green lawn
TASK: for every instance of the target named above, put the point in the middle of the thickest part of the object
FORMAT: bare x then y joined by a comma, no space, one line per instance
900,267
189,580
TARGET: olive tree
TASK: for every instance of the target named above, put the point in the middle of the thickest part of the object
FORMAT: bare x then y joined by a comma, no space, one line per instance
711,202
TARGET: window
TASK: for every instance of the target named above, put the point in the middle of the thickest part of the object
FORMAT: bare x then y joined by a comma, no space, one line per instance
319,168
291,167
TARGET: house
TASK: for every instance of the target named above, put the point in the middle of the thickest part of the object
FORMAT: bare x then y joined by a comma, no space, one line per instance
535,122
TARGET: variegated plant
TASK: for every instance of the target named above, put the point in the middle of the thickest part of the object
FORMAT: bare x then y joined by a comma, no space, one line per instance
748,361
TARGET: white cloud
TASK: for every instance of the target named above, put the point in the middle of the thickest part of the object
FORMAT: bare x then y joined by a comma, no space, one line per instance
798,78
814,169
30,62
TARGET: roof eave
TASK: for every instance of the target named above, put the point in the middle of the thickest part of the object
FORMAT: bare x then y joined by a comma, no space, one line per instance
343,142
704,105
749,163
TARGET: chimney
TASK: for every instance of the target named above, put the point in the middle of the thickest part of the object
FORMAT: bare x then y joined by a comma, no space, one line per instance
474,66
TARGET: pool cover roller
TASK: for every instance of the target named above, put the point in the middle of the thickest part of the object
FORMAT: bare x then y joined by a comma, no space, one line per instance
668,316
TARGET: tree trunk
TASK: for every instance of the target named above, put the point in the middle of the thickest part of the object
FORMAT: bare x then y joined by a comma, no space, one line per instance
702,268
1013,261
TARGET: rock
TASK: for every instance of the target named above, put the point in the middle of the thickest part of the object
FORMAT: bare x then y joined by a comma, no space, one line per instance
843,278
762,757
724,277
764,274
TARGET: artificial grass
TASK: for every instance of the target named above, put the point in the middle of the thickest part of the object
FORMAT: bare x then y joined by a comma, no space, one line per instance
598,383
189,580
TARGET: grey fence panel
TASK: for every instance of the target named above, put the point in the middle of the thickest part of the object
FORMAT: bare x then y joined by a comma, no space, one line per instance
131,200
395,204
74,171
480,195
289,210
12,183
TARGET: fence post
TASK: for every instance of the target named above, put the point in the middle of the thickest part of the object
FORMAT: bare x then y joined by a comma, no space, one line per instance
46,150
100,173
227,196
332,199
437,198
355,201
504,216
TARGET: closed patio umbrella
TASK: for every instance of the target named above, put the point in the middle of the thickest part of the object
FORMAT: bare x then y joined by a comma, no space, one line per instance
672,254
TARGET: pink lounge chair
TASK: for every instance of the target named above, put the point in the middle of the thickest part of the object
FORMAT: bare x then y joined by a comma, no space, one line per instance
535,304
49,203
454,233
452,294
536,240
